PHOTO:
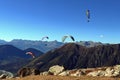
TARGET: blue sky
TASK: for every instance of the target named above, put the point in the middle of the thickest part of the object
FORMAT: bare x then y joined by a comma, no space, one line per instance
34,19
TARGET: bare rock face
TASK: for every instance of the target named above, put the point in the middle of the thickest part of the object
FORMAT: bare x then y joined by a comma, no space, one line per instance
45,73
55,70
5,74
64,73
28,71
96,73
106,71
109,72
113,71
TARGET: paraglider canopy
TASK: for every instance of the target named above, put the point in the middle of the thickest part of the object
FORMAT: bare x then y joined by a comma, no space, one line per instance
46,37
88,15
30,53
67,36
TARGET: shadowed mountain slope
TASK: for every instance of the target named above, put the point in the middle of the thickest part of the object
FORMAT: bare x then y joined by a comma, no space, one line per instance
73,56
12,58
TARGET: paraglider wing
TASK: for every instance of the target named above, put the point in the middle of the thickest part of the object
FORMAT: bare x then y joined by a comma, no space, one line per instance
30,53
64,37
72,38
88,15
45,37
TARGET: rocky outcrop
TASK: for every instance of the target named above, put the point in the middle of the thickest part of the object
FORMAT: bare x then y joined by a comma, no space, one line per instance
55,70
27,71
5,74
113,71
100,71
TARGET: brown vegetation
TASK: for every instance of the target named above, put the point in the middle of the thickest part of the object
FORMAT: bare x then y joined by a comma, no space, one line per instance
51,77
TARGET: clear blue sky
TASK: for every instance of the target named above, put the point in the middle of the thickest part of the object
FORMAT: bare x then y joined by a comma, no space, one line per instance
33,19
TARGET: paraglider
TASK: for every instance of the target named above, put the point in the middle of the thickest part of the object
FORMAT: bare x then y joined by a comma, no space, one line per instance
30,53
88,15
45,37
64,37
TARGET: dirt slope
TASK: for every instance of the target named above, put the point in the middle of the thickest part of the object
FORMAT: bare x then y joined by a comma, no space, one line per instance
63,78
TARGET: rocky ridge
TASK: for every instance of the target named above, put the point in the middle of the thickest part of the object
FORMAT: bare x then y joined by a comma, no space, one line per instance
113,71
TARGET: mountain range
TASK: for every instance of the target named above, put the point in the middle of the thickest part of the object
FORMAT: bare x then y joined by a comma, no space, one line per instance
44,46
70,55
